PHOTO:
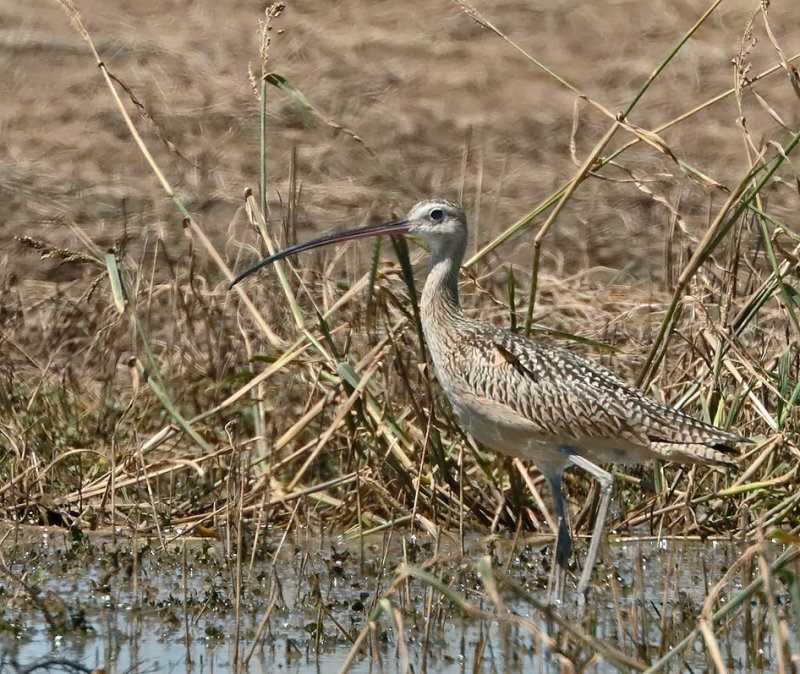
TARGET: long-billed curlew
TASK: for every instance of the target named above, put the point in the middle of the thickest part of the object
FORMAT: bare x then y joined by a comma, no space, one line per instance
527,399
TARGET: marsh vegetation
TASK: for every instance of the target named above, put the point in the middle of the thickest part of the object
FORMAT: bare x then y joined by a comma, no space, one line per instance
141,400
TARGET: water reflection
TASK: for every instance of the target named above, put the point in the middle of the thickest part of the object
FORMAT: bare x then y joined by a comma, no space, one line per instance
97,605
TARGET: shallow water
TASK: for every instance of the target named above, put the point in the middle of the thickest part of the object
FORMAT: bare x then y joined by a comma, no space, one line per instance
174,610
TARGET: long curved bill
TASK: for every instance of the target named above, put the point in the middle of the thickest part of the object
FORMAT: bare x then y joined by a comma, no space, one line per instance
394,227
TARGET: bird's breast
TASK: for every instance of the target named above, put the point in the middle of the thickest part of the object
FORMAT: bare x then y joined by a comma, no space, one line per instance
497,426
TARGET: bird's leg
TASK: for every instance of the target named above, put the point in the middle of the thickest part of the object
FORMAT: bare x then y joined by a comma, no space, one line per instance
606,481
563,542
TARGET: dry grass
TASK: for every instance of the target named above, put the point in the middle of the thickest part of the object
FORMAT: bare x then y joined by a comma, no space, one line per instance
160,401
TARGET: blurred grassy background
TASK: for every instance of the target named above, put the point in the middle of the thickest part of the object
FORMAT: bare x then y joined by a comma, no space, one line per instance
414,80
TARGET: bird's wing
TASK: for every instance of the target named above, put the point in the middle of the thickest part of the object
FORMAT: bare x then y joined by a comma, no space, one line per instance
662,423
569,396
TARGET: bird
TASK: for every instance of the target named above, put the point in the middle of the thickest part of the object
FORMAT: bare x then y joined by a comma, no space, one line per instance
528,399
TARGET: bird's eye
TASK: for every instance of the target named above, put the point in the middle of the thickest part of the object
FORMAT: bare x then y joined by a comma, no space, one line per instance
436,214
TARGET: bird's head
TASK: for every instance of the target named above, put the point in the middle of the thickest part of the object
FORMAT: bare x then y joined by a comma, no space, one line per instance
439,222
437,219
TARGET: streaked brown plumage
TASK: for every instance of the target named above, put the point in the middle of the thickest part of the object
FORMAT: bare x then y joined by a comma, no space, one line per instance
531,400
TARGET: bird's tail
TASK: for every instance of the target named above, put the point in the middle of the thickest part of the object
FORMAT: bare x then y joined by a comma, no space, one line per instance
693,452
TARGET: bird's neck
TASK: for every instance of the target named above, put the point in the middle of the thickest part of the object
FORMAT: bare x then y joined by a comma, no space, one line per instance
440,296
